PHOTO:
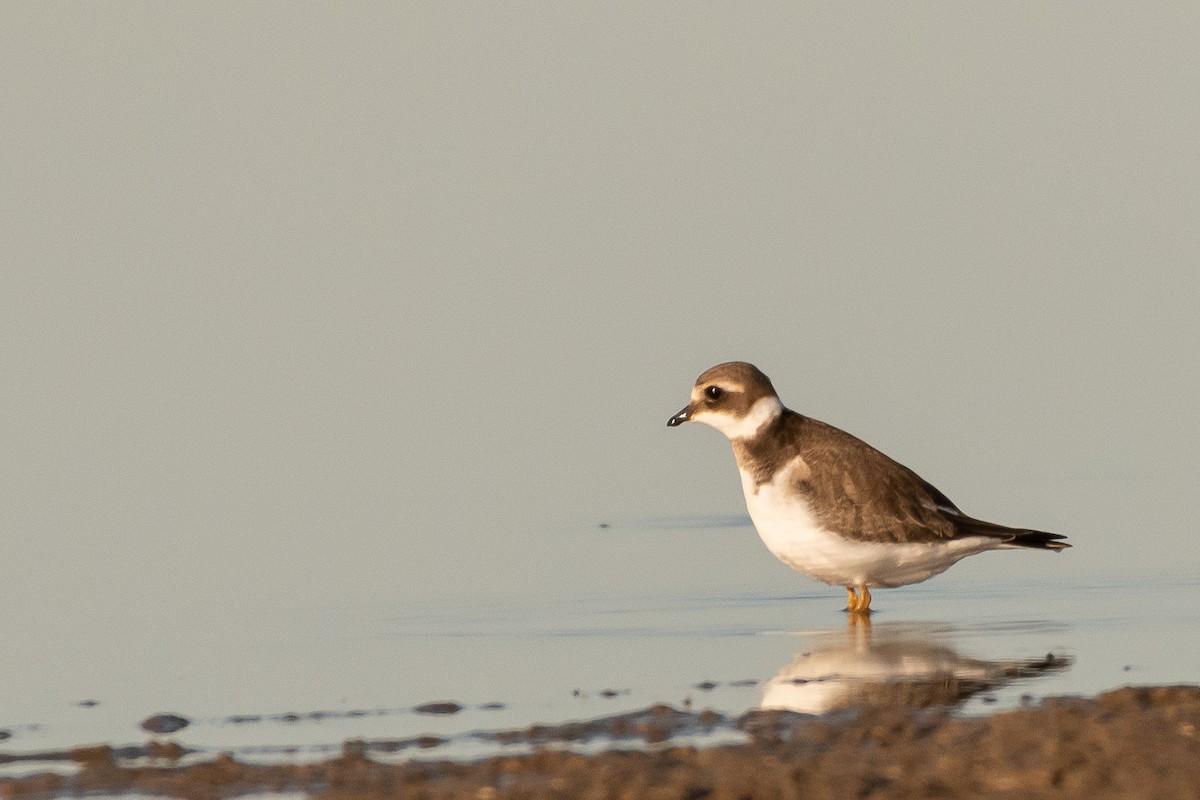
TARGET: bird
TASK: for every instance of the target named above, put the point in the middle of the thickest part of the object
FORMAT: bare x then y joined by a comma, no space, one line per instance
831,506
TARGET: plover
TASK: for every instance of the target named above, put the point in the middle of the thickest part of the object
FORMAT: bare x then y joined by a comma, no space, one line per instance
828,504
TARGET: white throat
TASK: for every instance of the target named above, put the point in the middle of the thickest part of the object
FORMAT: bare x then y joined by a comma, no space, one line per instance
764,411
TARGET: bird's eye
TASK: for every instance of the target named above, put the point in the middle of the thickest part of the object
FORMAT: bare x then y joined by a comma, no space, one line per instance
714,392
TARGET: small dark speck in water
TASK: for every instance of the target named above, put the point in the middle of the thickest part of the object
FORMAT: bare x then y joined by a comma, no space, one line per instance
745,682
492,706
609,693
706,686
164,723
5,735
987,698
1127,668
88,703
440,707
604,526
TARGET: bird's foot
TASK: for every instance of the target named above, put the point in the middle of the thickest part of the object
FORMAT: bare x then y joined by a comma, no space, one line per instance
851,600
858,600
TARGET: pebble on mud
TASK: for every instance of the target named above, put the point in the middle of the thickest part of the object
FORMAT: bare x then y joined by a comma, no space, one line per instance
168,751
95,754
428,741
164,723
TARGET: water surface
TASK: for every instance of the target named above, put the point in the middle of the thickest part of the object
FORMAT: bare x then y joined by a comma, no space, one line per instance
297,682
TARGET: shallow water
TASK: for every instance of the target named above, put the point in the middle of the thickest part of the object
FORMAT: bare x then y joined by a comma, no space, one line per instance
297,683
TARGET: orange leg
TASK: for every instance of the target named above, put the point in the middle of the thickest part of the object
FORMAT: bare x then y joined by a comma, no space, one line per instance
858,599
864,600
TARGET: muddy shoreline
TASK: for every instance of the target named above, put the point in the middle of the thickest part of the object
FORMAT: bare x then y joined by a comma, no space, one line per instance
1128,743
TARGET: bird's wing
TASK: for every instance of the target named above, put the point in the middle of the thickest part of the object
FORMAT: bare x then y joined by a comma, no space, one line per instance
866,496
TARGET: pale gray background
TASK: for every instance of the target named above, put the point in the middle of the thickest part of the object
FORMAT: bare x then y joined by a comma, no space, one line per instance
305,304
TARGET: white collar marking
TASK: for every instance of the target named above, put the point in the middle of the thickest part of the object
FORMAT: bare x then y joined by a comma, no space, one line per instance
764,410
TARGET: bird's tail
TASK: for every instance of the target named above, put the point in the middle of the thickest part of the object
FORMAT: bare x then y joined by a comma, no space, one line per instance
1011,537
1037,540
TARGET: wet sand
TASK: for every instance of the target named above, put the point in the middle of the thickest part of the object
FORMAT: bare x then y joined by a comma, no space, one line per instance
1128,743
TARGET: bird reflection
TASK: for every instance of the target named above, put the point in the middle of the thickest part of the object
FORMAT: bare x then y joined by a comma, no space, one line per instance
906,665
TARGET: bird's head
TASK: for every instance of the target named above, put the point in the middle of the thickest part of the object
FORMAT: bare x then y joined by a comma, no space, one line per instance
735,398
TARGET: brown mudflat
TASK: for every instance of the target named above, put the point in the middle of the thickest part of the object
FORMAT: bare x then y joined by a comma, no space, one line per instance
1128,743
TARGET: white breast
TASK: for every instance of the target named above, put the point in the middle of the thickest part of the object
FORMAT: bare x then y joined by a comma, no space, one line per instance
793,534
